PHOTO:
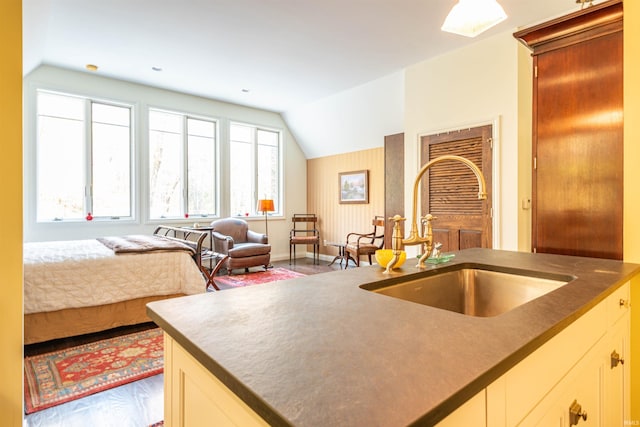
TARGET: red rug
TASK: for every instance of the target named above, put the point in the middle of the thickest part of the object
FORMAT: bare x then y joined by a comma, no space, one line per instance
61,376
255,278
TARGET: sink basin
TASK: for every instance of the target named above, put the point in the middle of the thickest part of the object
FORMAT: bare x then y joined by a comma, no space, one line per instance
481,291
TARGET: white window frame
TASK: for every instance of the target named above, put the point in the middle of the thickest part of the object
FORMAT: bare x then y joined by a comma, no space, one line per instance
87,156
278,199
184,169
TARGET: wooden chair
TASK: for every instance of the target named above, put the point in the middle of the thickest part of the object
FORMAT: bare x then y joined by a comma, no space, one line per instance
304,232
359,244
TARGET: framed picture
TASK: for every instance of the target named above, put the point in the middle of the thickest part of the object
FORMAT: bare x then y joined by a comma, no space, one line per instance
354,187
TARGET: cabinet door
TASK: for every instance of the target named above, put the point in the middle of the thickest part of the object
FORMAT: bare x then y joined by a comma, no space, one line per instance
581,387
578,169
196,398
616,376
584,392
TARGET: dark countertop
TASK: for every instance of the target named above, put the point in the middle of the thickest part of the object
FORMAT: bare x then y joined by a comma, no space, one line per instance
320,351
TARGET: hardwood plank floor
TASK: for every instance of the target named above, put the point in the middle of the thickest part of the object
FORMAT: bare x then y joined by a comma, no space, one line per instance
137,404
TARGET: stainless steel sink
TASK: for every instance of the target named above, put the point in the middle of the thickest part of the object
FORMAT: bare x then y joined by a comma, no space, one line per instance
481,291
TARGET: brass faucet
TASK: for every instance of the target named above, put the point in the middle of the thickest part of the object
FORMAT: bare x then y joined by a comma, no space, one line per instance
427,238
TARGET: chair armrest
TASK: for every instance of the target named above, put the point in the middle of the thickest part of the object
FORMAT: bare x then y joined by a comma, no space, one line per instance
221,243
254,237
360,236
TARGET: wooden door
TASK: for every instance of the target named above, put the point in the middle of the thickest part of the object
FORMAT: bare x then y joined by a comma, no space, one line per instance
449,190
577,202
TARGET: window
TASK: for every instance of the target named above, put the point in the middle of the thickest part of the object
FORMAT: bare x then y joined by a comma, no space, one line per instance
182,165
255,167
83,158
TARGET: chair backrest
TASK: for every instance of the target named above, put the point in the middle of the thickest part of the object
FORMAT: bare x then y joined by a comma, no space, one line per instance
378,221
309,219
304,225
235,227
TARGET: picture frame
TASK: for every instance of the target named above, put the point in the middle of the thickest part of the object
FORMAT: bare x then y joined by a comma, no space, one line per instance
353,187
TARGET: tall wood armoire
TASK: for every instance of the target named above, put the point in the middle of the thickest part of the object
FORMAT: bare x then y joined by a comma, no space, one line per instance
577,198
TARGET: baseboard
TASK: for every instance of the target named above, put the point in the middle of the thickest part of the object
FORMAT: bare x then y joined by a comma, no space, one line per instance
323,257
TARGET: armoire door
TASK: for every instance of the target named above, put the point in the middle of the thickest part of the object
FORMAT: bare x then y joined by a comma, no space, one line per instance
577,198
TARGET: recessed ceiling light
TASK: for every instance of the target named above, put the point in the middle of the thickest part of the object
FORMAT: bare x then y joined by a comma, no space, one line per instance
91,67
156,68
246,90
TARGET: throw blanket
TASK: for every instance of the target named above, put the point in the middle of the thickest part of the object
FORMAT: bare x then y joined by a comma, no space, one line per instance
142,243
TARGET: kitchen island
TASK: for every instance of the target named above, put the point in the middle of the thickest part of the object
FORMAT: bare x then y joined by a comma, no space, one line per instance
321,351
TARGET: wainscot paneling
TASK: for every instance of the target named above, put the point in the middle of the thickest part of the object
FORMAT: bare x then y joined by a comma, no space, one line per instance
335,219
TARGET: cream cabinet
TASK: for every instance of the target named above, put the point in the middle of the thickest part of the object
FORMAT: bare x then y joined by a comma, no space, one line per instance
471,413
577,378
194,397
574,401
616,354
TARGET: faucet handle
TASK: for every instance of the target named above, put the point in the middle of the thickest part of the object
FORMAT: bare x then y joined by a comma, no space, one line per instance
396,237
397,218
435,252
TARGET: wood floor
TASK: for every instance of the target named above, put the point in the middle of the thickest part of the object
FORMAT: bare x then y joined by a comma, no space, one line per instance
137,404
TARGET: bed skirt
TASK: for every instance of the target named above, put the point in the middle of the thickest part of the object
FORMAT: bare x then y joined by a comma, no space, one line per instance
39,327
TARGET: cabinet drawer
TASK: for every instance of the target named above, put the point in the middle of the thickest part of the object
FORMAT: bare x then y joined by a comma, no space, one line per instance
618,304
525,386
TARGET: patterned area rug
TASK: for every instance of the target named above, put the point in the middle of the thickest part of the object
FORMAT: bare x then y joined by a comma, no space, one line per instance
255,278
61,376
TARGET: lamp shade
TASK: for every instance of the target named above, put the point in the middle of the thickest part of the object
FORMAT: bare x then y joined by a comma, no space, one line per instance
471,17
265,205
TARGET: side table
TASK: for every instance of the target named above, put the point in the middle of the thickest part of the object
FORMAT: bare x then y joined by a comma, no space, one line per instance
208,255
210,273
341,253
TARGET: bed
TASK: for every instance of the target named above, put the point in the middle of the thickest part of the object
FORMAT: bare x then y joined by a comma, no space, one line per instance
77,287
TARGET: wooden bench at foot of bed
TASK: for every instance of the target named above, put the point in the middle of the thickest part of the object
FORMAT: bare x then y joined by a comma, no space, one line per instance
45,326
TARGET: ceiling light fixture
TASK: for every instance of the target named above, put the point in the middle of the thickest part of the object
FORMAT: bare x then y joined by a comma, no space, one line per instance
471,17
91,67
156,69
582,3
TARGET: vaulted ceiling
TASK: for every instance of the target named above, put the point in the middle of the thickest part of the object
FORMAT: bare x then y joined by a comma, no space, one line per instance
278,55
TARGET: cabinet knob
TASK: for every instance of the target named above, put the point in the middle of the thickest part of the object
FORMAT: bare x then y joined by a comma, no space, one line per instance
575,413
616,359
624,303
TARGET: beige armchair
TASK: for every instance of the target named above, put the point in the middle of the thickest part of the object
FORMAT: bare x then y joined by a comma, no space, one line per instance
245,248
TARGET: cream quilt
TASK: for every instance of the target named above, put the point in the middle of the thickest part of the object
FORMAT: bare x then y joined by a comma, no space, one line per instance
84,273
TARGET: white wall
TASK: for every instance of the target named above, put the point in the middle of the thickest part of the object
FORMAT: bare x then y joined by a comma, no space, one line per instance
93,85
474,85
353,120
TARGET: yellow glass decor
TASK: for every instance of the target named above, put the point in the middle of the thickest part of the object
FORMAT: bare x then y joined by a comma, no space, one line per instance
383,256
